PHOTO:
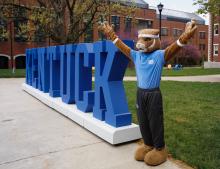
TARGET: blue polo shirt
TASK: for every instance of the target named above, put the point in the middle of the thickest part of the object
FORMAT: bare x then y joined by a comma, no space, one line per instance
148,67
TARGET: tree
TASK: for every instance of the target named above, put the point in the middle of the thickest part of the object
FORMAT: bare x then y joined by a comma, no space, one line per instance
208,6
10,12
65,21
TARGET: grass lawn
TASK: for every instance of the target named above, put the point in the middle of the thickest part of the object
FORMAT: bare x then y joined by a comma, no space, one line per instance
192,121
185,72
7,73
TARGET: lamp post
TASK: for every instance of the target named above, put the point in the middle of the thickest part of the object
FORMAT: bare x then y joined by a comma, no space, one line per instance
11,46
109,14
160,8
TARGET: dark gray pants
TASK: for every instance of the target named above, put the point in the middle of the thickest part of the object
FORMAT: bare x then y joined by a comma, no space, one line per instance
150,116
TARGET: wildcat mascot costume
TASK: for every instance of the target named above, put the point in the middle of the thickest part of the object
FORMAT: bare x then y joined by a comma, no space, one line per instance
149,60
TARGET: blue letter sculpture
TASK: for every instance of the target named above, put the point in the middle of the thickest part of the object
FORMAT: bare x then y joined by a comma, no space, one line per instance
54,55
34,68
66,71
83,89
110,100
67,77
29,67
43,70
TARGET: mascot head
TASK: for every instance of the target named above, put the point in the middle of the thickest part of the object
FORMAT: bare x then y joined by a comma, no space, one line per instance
148,40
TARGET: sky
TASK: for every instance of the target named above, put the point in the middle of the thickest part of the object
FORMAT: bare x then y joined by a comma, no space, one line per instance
182,5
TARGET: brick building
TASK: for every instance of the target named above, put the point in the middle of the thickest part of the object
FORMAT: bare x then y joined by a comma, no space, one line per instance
214,39
12,49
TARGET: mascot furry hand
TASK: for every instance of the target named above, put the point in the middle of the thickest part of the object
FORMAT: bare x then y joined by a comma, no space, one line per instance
149,61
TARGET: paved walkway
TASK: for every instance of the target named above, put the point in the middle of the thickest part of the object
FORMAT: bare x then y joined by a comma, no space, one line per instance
204,78
33,136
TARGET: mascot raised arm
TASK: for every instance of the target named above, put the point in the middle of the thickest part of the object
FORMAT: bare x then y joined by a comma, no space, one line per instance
149,60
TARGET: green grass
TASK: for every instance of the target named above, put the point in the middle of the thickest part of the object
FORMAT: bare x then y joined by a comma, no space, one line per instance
7,73
184,72
192,121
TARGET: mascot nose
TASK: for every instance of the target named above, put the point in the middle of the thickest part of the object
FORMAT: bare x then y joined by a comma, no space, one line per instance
140,45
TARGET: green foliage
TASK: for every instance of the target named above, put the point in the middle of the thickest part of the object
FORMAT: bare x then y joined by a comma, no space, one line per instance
208,6
10,13
192,118
63,21
3,32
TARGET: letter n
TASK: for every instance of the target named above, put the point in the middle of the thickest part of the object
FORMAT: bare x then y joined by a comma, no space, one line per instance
43,70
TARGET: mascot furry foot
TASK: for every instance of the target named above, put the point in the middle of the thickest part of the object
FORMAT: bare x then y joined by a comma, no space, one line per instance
156,157
141,151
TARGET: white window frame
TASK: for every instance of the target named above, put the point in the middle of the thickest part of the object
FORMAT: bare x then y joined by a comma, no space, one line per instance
214,29
214,49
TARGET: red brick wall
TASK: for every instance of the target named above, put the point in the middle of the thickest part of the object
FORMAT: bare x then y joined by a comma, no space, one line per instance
216,39
148,14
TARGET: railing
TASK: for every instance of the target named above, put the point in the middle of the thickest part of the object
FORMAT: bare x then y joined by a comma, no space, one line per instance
66,72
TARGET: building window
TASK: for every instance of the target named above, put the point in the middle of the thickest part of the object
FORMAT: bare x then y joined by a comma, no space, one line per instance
164,32
202,47
116,22
202,35
216,29
177,32
144,24
3,31
128,24
215,49
19,37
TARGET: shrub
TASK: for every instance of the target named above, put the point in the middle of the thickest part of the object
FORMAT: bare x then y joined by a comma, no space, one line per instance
189,55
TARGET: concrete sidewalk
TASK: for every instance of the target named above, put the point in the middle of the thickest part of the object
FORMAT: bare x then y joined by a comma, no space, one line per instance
33,136
204,78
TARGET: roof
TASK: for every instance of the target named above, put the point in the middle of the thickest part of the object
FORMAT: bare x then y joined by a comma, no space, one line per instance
137,3
181,16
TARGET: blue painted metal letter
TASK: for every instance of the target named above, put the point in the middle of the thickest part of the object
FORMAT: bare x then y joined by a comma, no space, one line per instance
67,76
110,100
83,73
54,55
